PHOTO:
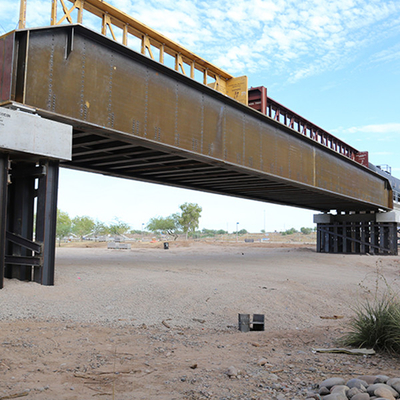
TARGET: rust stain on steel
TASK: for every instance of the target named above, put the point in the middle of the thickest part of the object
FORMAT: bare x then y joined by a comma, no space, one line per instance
112,93
6,59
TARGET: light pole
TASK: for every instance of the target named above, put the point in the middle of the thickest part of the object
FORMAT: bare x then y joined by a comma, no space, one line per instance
264,222
237,224
142,230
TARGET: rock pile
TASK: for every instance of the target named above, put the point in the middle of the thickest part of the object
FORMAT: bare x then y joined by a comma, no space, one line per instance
367,387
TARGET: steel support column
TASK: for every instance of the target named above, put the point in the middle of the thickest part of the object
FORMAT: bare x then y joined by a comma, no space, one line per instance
3,212
20,219
357,238
46,221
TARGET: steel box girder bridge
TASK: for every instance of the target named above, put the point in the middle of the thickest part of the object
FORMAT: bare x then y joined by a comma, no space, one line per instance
135,118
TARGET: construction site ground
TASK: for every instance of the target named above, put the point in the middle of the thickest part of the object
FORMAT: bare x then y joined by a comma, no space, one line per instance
150,323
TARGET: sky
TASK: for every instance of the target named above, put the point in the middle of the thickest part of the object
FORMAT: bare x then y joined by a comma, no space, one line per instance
336,63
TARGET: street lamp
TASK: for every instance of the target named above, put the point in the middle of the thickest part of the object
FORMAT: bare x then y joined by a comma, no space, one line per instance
264,222
237,224
142,229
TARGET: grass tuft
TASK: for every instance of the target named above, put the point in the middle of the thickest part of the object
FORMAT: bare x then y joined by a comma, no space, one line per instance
376,325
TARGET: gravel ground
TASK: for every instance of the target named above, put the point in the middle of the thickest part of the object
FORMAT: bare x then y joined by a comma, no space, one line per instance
154,323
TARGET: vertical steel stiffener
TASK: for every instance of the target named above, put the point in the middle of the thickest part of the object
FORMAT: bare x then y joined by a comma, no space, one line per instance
3,212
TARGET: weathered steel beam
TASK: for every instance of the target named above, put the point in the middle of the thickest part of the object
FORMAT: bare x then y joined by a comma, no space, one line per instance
24,262
143,104
23,242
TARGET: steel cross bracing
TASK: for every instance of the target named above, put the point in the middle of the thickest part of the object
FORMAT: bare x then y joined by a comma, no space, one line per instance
135,118
259,100
126,29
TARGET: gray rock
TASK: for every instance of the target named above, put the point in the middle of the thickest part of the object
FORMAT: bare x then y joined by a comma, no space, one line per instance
335,396
273,377
361,396
357,383
372,389
353,391
330,382
394,383
370,379
314,396
323,391
384,392
232,372
381,379
262,361
340,389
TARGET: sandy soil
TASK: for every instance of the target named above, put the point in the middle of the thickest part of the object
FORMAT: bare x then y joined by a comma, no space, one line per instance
151,323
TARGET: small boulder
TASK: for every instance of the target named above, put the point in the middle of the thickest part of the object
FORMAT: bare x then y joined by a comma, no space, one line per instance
370,379
372,389
357,383
353,391
232,372
385,393
360,396
394,383
381,379
330,382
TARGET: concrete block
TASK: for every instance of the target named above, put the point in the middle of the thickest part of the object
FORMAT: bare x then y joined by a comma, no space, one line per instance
390,216
28,133
323,218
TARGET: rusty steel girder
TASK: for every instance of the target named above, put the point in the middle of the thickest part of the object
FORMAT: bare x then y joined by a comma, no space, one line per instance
136,118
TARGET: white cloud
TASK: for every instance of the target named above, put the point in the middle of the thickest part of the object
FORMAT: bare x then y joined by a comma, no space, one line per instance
377,129
298,38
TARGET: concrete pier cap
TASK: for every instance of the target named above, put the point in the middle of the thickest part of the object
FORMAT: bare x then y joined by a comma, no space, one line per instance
389,216
23,131
392,216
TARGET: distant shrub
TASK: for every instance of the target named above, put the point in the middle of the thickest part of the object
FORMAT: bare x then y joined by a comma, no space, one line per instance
306,231
290,231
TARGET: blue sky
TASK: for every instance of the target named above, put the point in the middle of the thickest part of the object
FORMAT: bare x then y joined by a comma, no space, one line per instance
337,63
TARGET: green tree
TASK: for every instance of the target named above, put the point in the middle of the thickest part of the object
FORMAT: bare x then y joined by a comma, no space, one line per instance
290,231
168,225
100,228
118,227
64,225
306,231
189,219
208,232
221,232
242,232
82,226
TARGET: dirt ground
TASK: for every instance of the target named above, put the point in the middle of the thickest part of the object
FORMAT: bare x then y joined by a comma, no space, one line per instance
149,323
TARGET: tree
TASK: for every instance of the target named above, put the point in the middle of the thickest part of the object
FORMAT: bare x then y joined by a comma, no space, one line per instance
118,227
100,228
290,231
242,232
82,226
306,231
64,225
208,232
168,225
189,219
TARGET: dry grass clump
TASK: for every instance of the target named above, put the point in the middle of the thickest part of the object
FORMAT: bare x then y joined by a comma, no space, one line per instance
376,325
